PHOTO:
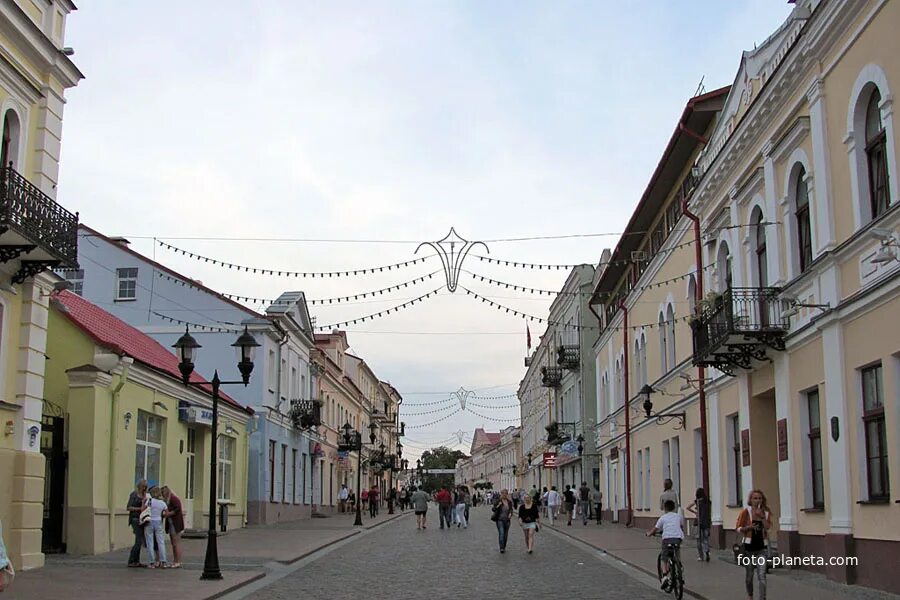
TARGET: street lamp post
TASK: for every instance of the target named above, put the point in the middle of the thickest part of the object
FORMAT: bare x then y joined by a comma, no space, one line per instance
186,348
353,441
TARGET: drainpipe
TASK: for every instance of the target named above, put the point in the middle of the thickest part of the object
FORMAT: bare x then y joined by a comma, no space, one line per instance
701,371
125,362
628,523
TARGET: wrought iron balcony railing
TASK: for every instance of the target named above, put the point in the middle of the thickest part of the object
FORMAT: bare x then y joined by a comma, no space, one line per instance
551,376
40,224
736,328
567,356
306,414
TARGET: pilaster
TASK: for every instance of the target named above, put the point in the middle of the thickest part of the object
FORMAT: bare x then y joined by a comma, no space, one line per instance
823,209
839,494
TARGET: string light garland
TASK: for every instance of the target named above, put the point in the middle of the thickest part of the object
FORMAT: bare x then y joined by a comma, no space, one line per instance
444,418
427,412
378,314
285,273
190,324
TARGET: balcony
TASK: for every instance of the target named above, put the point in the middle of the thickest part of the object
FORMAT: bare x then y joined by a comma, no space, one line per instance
567,357
551,376
735,330
305,414
34,228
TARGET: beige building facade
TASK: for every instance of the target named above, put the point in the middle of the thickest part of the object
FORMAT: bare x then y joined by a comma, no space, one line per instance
792,173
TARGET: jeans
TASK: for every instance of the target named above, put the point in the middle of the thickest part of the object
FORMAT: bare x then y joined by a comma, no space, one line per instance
552,512
373,509
135,556
154,530
757,568
598,508
444,511
461,515
585,510
702,541
503,532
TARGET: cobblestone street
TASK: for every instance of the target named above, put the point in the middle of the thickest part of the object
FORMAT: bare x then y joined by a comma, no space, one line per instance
397,561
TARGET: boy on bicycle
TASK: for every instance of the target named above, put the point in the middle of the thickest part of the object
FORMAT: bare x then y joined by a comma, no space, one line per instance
672,534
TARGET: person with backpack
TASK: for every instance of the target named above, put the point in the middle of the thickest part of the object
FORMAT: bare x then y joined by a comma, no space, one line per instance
584,502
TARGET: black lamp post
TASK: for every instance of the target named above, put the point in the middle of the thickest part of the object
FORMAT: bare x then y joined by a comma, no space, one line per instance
580,440
186,348
353,441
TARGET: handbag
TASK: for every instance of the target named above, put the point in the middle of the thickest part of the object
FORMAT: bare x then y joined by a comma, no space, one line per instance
144,517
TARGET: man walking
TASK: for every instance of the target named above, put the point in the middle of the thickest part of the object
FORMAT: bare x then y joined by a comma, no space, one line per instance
553,500
419,500
597,500
443,500
584,502
342,497
569,496
373,502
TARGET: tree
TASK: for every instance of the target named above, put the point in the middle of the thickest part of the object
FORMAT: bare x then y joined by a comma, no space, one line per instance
439,458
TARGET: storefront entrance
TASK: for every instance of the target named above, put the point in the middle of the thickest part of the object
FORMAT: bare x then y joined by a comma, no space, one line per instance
52,440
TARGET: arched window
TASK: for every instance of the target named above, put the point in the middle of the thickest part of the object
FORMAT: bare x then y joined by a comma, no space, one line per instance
9,150
620,387
762,269
638,370
876,156
670,327
644,378
724,267
804,232
692,292
663,344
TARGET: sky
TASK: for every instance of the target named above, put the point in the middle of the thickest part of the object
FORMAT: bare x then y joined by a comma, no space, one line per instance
388,123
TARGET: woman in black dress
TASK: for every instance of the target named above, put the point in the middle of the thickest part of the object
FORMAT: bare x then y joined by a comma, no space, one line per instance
529,517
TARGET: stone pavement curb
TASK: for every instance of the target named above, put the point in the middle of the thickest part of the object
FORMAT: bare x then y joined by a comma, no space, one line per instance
236,586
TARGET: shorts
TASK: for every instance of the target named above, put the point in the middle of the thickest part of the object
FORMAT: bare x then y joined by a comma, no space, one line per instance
421,512
665,543
529,525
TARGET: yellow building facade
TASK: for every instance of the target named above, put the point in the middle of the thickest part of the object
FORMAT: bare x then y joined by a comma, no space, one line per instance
35,233
792,172
119,412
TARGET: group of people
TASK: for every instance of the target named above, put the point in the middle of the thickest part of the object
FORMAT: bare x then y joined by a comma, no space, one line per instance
571,502
369,499
152,512
453,507
502,511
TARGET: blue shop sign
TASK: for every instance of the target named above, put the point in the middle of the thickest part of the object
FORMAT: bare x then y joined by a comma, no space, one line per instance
194,415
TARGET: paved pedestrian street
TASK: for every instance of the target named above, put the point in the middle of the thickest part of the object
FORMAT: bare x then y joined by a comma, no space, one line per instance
397,561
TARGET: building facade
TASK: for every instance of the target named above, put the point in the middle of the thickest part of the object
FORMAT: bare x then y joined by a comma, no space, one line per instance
127,417
35,233
789,307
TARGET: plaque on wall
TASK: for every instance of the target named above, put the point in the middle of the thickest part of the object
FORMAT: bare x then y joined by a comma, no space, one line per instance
782,440
745,447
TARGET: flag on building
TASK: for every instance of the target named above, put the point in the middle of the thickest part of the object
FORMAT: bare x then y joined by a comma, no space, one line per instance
528,336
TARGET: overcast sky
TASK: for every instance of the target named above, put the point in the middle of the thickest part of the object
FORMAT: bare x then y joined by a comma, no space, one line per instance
388,121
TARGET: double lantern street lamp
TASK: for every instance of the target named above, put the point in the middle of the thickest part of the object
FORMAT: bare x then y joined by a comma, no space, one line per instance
353,442
186,349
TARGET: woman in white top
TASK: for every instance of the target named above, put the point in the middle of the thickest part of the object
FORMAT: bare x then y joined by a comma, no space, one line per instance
154,530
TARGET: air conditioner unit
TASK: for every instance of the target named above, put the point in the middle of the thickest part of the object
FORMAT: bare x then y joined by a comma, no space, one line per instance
638,256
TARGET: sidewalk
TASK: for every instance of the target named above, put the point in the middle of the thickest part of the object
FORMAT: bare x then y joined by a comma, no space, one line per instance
719,579
244,556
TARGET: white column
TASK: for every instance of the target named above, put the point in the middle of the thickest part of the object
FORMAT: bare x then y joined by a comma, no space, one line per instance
786,468
823,211
714,454
743,380
839,499
774,242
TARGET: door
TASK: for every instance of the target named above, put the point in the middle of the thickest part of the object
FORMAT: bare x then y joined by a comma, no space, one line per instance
614,487
52,430
190,458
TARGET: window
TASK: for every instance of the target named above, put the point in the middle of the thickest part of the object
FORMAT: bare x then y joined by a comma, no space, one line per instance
284,472
640,487
126,283
676,465
804,233
663,344
724,267
76,278
271,470
272,371
639,382
303,477
877,475
670,335
762,269
815,449
666,464
225,468
190,463
733,431
9,154
644,378
876,156
692,292
647,486
148,448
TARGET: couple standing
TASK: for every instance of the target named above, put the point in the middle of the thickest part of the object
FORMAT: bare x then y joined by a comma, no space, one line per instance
529,517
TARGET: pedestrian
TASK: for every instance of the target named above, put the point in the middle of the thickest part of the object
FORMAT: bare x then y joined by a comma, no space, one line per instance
702,509
670,524
373,502
419,501
364,497
402,498
351,500
454,500
7,572
515,498
544,505
136,501
597,501
342,497
569,497
391,499
444,500
553,502
754,523
153,532
584,502
462,505
501,513
175,522
668,494
529,518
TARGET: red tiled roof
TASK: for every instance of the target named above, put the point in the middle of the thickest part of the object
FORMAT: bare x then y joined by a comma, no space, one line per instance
120,337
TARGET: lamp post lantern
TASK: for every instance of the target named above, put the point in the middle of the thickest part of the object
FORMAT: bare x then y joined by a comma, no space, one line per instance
186,349
353,441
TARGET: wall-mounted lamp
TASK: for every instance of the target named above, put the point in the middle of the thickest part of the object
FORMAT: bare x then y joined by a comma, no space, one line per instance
33,432
889,246
680,417
229,430
159,404
794,307
127,416
10,428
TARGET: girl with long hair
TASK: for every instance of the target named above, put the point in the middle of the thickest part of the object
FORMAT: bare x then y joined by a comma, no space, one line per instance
754,524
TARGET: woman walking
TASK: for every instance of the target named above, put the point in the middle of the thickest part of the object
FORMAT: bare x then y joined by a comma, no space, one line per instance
754,523
154,529
175,522
461,508
701,508
529,517
136,502
502,514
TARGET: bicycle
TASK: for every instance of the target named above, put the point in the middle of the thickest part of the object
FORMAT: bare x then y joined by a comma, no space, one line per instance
676,570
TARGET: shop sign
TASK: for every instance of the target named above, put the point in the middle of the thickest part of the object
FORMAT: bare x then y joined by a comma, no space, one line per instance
195,415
